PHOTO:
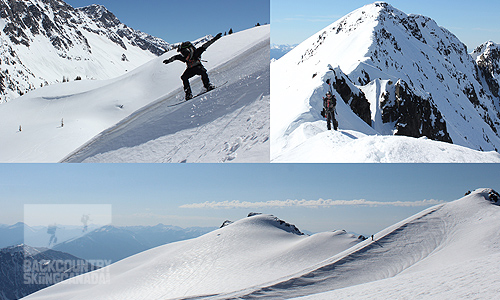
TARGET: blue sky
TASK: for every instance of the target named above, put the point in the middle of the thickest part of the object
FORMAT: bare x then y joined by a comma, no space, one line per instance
473,22
177,21
147,194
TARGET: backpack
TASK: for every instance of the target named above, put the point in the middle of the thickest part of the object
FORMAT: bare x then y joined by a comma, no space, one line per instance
188,46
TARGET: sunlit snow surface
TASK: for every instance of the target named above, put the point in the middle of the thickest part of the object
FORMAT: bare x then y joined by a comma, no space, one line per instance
450,250
227,124
299,133
252,251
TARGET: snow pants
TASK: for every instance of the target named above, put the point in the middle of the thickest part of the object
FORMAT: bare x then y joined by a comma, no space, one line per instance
330,118
191,72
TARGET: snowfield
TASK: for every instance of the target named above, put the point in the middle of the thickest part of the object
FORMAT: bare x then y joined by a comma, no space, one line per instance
130,118
371,53
448,250
248,252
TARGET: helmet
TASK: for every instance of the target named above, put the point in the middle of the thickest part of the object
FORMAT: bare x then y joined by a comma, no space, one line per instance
186,49
184,45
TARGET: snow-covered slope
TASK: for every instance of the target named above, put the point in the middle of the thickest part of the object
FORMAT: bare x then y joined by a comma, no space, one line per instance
251,251
398,74
43,42
230,123
115,243
451,248
424,255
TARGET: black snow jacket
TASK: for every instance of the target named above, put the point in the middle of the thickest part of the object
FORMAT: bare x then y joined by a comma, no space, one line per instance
193,59
329,105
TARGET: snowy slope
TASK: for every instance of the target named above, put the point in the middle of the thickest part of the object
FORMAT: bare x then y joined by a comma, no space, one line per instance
45,42
139,98
306,139
398,74
428,253
251,251
115,243
451,248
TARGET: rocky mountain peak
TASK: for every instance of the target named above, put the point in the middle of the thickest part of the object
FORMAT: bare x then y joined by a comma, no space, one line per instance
101,14
71,42
409,68
487,57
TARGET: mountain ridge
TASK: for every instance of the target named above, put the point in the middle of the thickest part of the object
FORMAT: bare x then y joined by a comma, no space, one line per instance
49,41
441,92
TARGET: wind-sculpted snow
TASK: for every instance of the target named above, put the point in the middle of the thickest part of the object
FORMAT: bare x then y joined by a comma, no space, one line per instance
251,251
260,257
418,78
456,237
227,124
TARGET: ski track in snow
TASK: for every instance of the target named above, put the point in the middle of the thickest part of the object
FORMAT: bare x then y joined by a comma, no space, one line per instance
213,127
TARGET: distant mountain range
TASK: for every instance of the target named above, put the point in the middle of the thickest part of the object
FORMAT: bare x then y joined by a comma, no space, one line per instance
108,242
116,243
277,51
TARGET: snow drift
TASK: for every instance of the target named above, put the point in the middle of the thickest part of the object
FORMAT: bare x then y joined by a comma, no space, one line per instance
48,124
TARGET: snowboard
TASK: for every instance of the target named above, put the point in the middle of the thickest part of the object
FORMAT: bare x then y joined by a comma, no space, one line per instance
199,94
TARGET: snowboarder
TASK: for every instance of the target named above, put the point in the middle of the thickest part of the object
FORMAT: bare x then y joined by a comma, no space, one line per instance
372,237
192,57
329,103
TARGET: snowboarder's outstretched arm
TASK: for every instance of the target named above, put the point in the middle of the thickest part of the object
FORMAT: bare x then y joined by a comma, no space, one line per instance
207,44
173,58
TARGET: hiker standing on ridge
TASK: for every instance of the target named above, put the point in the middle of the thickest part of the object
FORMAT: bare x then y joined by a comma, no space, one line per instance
329,103
192,57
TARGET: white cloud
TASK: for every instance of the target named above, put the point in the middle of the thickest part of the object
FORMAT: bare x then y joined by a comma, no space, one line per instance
307,203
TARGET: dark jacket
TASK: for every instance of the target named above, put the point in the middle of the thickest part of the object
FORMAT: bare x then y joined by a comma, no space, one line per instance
194,58
329,106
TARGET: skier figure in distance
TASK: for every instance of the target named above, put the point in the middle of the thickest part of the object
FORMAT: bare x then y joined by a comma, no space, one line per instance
192,57
329,103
